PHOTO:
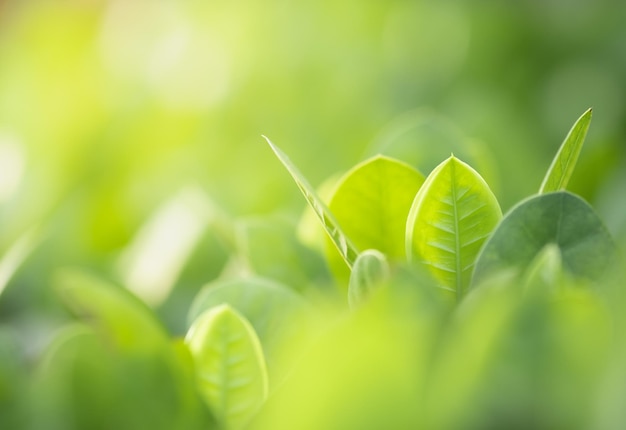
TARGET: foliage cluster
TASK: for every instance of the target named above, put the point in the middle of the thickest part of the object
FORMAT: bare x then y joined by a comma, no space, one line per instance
447,315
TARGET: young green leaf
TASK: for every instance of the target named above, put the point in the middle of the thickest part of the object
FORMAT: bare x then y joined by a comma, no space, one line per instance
371,203
345,247
229,364
370,271
564,162
452,215
560,218
278,314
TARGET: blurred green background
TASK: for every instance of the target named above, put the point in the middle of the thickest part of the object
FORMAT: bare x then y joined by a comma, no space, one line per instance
129,129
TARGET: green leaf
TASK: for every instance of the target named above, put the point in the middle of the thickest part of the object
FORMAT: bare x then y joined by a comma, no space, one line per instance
369,272
345,247
452,215
560,218
114,311
229,364
278,314
371,203
564,162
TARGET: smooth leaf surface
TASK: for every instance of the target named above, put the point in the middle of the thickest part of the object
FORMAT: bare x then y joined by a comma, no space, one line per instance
345,247
452,215
370,270
115,311
560,218
229,364
371,203
563,164
277,314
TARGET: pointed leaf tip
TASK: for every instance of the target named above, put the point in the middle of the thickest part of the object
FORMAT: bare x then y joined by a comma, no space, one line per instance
344,245
563,164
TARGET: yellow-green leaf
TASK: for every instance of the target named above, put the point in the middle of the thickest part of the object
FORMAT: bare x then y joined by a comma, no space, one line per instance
371,203
452,215
230,365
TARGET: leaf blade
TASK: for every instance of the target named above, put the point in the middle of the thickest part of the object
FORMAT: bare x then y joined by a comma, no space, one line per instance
563,164
371,202
559,218
230,365
451,217
345,247
278,315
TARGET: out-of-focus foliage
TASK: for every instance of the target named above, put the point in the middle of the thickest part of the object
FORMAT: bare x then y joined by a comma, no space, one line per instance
130,145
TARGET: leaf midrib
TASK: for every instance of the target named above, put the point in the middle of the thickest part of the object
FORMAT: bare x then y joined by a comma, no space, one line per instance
457,236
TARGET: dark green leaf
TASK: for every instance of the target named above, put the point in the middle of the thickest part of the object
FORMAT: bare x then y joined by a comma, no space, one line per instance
560,218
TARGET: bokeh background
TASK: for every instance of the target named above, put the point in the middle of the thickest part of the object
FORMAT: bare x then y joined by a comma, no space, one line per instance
130,131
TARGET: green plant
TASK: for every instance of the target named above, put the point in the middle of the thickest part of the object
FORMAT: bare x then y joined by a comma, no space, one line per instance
450,305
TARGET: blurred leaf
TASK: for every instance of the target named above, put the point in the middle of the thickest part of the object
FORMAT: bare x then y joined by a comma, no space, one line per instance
13,380
278,315
452,215
564,162
369,272
289,262
545,271
82,383
152,263
560,218
345,247
464,354
229,363
16,254
364,371
122,317
371,204
423,137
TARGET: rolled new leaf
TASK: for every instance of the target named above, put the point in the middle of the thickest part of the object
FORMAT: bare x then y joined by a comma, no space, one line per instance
563,164
452,215
561,219
369,272
345,247
229,365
